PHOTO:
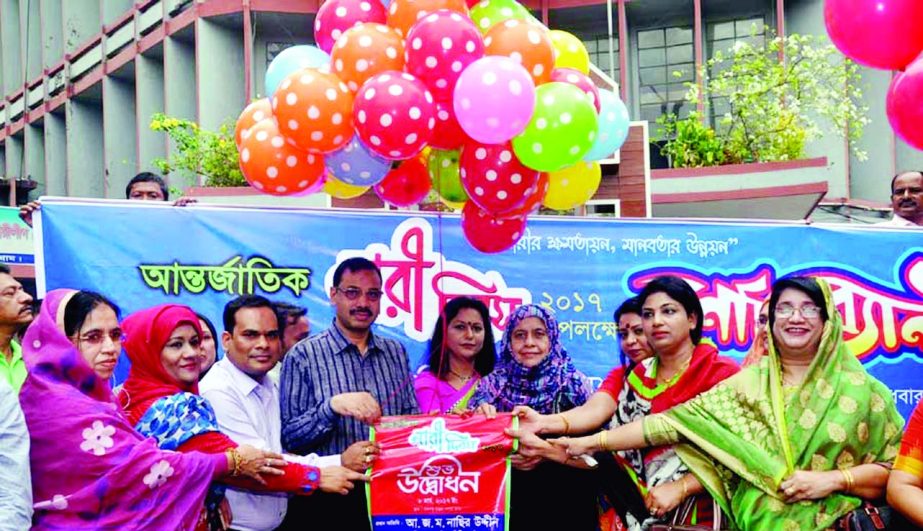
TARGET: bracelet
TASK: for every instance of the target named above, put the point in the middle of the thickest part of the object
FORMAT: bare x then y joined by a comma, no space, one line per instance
850,480
685,488
566,424
235,459
602,440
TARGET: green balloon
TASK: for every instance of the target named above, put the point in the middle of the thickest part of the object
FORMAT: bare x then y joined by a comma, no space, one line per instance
487,13
562,129
443,170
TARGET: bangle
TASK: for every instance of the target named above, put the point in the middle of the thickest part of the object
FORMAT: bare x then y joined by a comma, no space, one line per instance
685,487
234,455
850,481
602,440
566,424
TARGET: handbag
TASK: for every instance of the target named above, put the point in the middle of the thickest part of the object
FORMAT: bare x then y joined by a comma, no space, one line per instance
872,517
681,514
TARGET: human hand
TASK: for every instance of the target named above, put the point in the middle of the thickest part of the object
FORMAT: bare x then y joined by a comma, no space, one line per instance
576,446
339,480
805,485
26,211
529,419
183,201
520,462
255,463
362,406
360,455
662,499
488,410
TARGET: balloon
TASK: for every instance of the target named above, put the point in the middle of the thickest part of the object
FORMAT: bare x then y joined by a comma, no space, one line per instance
569,51
443,170
272,165
487,233
882,34
454,205
291,60
439,47
336,16
527,44
495,180
494,99
488,13
406,185
905,104
395,115
533,201
614,124
573,186
579,80
313,108
337,188
447,134
561,131
355,165
257,111
403,14
365,50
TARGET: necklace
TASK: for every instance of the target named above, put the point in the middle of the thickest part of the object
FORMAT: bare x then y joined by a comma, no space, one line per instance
661,380
464,379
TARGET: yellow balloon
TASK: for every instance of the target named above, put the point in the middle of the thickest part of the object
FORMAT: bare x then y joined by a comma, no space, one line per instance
454,205
341,190
569,51
572,186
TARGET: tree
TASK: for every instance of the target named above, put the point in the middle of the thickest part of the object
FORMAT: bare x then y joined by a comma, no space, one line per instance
200,152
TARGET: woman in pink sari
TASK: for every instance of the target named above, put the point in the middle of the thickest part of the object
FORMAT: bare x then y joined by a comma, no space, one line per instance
90,468
460,353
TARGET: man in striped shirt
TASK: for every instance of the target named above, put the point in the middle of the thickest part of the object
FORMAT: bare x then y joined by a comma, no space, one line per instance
337,383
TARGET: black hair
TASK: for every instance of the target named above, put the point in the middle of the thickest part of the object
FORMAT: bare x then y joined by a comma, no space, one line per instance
436,358
79,307
680,291
806,285
894,179
5,269
147,177
354,264
285,311
211,327
631,305
244,301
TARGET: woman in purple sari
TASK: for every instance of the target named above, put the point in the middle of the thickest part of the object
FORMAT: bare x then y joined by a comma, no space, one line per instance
90,468
461,352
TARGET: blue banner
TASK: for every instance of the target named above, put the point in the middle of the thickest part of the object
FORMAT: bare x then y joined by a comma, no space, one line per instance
143,254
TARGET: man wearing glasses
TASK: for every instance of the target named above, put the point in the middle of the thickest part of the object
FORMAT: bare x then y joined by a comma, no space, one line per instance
337,383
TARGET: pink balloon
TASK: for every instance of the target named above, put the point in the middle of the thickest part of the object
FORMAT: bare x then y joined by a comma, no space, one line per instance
905,104
487,233
394,115
579,80
337,16
882,34
494,99
439,47
448,134
494,178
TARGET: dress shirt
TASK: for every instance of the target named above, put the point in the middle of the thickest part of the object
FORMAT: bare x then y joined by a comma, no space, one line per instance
897,221
15,477
327,364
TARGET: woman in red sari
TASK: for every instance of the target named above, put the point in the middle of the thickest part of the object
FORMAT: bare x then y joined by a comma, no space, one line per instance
905,484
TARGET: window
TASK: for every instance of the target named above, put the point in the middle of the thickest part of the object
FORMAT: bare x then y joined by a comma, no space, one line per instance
661,52
723,36
610,208
598,48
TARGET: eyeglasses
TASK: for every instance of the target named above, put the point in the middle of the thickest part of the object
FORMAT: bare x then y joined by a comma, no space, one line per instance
98,337
808,311
354,293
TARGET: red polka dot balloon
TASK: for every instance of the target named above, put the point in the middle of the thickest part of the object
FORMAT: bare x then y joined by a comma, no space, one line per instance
439,47
489,234
579,80
314,110
403,14
448,134
337,16
366,50
272,165
257,111
534,198
406,185
493,177
394,115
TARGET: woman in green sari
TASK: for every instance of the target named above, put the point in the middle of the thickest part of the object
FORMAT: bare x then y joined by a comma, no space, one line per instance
795,442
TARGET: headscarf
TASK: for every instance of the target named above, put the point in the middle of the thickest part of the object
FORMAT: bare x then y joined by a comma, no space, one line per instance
147,331
551,386
747,437
90,469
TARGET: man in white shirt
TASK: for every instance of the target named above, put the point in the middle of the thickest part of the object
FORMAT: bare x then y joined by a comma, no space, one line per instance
246,403
906,200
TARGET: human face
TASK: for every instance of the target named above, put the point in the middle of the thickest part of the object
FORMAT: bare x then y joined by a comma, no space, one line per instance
15,303
632,340
99,340
209,348
666,323
761,323
357,315
464,336
529,342
907,197
253,346
796,335
296,329
181,356
146,191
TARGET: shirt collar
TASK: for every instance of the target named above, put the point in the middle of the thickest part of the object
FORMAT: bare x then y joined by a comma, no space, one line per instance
343,344
16,350
901,221
242,381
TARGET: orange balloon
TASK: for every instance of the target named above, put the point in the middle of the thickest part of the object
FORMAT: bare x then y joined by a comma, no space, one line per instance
403,14
272,165
524,42
366,50
314,110
257,111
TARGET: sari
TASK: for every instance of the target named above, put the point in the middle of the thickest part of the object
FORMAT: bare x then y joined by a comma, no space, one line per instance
90,468
746,435
434,394
910,457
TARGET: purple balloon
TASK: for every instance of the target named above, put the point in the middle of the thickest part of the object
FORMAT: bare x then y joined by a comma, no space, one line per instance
355,164
494,99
